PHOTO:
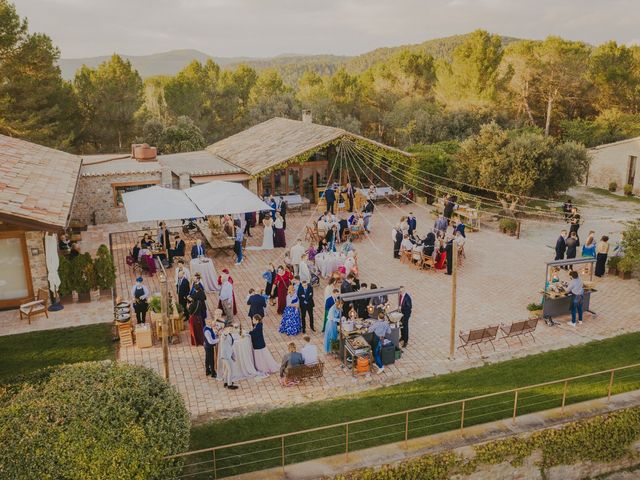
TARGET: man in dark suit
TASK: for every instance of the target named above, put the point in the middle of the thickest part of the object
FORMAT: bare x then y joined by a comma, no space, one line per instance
198,249
283,212
347,287
561,245
449,251
405,305
256,303
178,248
248,223
183,289
330,198
413,223
351,193
305,296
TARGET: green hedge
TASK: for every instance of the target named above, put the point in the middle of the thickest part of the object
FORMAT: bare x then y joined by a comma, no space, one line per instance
605,438
98,420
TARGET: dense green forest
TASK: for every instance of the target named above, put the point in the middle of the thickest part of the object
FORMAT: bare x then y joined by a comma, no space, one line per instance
438,91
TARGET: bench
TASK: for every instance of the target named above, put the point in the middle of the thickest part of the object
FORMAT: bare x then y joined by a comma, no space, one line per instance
300,372
518,329
477,337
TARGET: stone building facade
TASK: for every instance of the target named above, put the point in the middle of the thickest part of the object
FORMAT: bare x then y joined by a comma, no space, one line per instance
615,162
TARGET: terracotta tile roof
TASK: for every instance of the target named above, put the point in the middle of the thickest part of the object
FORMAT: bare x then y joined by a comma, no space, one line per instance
105,165
36,183
276,141
198,163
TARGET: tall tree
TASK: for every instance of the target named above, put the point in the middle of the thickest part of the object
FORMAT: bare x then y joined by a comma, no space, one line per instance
35,102
270,97
473,78
109,97
614,71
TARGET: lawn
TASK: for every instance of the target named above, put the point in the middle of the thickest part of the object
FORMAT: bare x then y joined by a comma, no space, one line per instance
592,357
27,352
606,193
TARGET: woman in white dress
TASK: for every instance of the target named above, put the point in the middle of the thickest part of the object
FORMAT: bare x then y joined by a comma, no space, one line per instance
267,239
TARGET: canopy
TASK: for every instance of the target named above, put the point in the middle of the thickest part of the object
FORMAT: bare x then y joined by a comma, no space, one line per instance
53,261
219,197
159,203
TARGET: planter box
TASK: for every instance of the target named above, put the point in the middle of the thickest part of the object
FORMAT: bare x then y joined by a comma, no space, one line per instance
84,297
66,299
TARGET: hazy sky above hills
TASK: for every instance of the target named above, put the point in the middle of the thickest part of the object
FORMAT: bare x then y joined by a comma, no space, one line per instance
261,28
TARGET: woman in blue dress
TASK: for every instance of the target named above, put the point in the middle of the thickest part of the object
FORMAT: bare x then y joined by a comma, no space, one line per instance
589,247
291,323
331,329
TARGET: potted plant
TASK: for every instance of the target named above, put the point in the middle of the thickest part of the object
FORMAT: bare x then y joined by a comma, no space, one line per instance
508,225
613,186
83,276
65,290
613,263
105,271
625,267
535,309
628,190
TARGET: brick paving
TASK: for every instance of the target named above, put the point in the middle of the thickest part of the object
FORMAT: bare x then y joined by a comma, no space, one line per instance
499,277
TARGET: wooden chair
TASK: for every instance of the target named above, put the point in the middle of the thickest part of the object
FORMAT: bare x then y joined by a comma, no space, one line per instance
416,258
312,235
427,262
357,232
406,256
37,306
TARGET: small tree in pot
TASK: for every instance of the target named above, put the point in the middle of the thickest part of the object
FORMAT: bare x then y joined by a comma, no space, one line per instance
65,290
105,271
83,275
613,263
625,268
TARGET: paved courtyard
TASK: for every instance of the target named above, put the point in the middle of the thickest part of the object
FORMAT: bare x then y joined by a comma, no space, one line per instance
499,277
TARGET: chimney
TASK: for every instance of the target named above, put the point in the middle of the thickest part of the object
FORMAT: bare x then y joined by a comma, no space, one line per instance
306,116
142,152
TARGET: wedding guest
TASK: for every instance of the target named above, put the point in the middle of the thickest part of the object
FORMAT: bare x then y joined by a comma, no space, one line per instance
178,248
198,249
290,323
309,352
282,282
561,245
305,295
291,359
279,239
262,357
405,305
198,313
296,253
183,289
227,298
64,244
283,212
328,304
226,275
237,245
572,243
270,277
257,303
602,252
589,247
333,318
350,192
181,268
227,356
330,198
210,340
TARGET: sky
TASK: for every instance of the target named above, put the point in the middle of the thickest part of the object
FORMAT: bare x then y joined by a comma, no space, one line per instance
264,28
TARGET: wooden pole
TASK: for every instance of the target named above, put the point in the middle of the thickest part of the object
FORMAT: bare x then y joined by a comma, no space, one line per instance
165,323
454,281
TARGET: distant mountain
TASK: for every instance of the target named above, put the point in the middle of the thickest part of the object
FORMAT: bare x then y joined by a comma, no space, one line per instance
290,66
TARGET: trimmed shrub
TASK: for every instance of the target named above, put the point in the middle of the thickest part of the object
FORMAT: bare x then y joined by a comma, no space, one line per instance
105,270
613,186
64,271
508,225
98,420
82,273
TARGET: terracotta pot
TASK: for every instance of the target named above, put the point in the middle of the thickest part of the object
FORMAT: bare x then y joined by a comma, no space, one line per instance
613,271
624,275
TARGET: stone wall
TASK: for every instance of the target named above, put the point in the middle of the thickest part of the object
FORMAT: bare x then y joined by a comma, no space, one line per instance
611,164
38,262
95,195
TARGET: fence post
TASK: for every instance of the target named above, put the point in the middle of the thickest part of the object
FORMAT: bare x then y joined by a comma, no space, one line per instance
515,407
610,385
462,416
282,453
215,469
346,445
564,394
406,430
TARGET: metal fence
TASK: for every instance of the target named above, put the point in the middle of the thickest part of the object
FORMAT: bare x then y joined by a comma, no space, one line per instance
399,427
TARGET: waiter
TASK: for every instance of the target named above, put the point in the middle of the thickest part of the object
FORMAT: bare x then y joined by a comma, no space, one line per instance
140,295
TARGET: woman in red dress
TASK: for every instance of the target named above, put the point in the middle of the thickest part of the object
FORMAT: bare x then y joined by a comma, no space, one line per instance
282,282
226,273
441,257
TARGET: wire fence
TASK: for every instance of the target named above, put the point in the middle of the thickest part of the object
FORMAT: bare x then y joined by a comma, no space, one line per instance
278,451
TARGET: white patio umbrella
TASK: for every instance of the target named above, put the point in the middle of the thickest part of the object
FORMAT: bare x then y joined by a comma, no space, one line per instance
219,197
51,256
158,203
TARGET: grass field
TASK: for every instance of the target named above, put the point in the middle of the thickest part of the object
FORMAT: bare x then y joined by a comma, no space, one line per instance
24,353
534,369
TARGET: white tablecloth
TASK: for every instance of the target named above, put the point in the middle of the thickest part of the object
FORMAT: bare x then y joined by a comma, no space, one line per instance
328,263
208,273
381,192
